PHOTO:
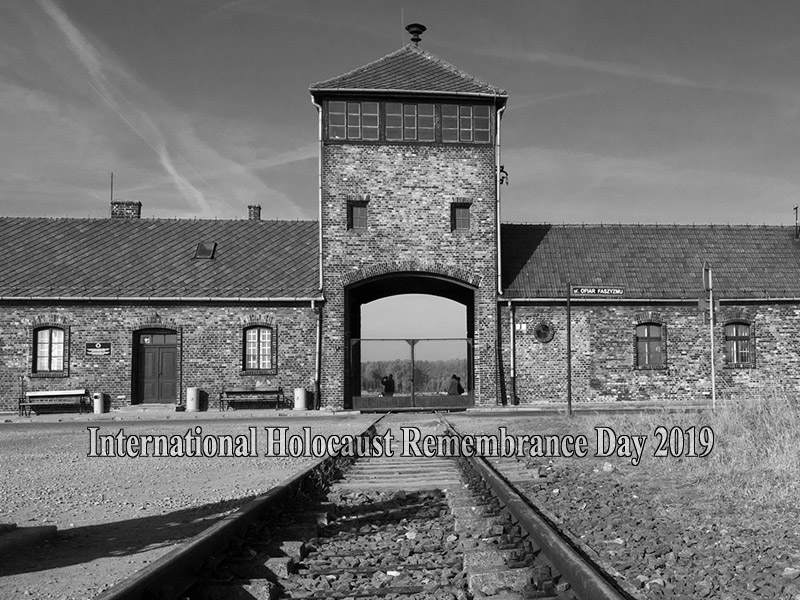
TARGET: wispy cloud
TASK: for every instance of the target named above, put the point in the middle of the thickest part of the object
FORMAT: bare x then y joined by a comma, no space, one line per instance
210,183
137,120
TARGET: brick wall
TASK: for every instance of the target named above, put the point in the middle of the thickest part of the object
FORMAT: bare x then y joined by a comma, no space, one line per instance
603,353
409,190
209,346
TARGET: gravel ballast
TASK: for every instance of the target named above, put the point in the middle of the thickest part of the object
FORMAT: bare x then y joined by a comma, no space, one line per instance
664,532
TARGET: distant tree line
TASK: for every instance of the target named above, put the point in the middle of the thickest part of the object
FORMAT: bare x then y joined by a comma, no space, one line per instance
430,376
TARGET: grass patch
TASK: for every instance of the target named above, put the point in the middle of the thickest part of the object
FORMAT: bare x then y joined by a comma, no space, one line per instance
755,454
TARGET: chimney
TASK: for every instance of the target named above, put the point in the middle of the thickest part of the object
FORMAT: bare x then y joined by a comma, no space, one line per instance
416,30
254,212
126,209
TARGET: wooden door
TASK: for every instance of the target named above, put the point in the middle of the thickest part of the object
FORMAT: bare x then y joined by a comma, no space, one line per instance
158,368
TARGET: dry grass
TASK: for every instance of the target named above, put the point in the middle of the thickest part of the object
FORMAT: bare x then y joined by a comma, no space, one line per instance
755,455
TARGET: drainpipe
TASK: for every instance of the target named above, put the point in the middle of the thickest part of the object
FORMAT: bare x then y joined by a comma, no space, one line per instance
317,309
319,184
512,317
497,187
317,355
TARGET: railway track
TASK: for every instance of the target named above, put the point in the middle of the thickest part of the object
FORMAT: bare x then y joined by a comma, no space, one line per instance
407,521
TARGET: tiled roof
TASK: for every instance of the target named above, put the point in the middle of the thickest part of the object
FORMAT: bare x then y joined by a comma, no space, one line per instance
133,258
409,69
651,261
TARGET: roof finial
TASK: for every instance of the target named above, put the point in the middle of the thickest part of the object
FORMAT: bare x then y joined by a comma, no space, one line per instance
416,30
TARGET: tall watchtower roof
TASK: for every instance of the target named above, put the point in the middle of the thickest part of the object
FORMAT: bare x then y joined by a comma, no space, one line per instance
409,70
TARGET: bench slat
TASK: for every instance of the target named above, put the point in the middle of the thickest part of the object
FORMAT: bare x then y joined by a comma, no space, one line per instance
57,393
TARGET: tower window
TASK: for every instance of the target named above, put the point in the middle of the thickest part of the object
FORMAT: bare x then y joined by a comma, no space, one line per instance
459,216
357,215
408,122
352,120
465,123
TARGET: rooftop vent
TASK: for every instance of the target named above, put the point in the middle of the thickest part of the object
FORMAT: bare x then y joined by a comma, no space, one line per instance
416,30
254,212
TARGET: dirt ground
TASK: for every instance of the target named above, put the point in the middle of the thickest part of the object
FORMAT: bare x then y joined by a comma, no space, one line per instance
116,515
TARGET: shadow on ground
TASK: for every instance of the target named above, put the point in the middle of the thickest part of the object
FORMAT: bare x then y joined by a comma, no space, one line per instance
80,545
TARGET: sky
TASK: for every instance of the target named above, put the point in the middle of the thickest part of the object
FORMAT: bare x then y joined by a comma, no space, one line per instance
632,111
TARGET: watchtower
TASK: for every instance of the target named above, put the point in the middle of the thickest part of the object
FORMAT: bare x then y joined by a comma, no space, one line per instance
409,203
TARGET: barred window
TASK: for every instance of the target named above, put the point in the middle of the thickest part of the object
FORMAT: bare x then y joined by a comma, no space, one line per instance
259,349
650,346
49,350
738,344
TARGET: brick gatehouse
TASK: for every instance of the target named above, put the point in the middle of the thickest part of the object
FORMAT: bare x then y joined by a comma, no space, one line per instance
410,176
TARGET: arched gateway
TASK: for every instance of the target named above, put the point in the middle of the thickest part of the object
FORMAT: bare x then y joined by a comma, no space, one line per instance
409,203
420,366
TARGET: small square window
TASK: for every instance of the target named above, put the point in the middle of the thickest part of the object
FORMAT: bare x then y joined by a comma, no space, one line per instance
459,216
205,250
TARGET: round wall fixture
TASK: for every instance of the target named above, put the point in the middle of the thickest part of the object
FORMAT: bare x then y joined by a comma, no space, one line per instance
544,331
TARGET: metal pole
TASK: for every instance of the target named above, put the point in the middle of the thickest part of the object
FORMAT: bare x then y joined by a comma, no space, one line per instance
569,349
711,332
513,354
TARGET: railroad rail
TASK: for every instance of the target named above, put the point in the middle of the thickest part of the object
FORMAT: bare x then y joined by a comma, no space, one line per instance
404,521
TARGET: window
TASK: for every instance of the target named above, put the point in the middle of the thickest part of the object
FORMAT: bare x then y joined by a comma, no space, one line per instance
408,122
352,120
465,123
738,344
459,216
49,350
357,215
259,349
205,250
650,346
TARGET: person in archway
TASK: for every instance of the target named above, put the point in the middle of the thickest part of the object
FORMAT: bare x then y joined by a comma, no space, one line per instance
455,388
388,385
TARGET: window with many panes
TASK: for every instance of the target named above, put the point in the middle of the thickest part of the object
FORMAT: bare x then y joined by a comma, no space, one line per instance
465,123
459,216
352,120
409,122
738,344
49,348
650,346
259,349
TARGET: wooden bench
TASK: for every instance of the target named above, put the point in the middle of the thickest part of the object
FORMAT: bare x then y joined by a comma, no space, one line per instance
53,399
269,397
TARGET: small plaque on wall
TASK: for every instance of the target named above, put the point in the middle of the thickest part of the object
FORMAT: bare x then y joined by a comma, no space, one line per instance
98,349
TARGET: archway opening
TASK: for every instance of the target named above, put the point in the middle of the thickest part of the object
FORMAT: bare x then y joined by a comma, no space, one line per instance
409,335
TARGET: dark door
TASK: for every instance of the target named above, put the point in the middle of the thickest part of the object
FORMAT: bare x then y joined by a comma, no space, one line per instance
157,367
